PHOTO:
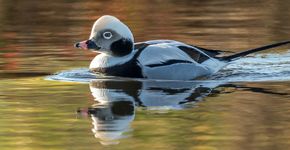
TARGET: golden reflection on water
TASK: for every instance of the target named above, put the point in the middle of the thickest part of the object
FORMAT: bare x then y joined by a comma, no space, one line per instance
41,33
36,39
37,113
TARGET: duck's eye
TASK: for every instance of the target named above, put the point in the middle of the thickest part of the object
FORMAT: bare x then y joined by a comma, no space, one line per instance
107,35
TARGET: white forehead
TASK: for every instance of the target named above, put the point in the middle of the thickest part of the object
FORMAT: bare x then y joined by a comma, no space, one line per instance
111,22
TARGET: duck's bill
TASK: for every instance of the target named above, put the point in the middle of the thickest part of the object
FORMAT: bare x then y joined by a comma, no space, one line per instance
87,44
82,45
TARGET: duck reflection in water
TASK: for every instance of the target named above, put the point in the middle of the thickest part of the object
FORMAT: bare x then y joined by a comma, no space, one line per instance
116,101
111,120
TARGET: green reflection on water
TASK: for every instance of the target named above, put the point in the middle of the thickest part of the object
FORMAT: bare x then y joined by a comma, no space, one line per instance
37,114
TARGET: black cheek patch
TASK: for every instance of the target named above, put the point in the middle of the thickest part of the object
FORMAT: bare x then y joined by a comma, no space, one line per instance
122,47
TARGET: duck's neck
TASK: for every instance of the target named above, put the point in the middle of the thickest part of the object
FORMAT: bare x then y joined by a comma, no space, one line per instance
104,60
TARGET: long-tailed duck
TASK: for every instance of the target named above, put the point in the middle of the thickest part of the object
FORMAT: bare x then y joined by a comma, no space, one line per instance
155,59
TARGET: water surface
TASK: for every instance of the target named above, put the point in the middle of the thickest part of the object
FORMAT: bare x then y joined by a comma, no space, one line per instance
246,106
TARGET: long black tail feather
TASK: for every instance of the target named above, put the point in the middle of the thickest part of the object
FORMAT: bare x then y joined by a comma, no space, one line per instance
244,53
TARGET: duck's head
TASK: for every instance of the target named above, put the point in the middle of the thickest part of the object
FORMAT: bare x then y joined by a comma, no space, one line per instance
109,35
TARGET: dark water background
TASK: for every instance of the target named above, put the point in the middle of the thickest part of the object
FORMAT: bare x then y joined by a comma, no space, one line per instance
36,40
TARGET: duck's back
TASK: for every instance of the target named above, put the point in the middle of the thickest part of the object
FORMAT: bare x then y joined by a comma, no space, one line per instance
166,59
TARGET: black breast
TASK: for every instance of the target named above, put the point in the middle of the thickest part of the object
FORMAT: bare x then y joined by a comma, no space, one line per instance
128,69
